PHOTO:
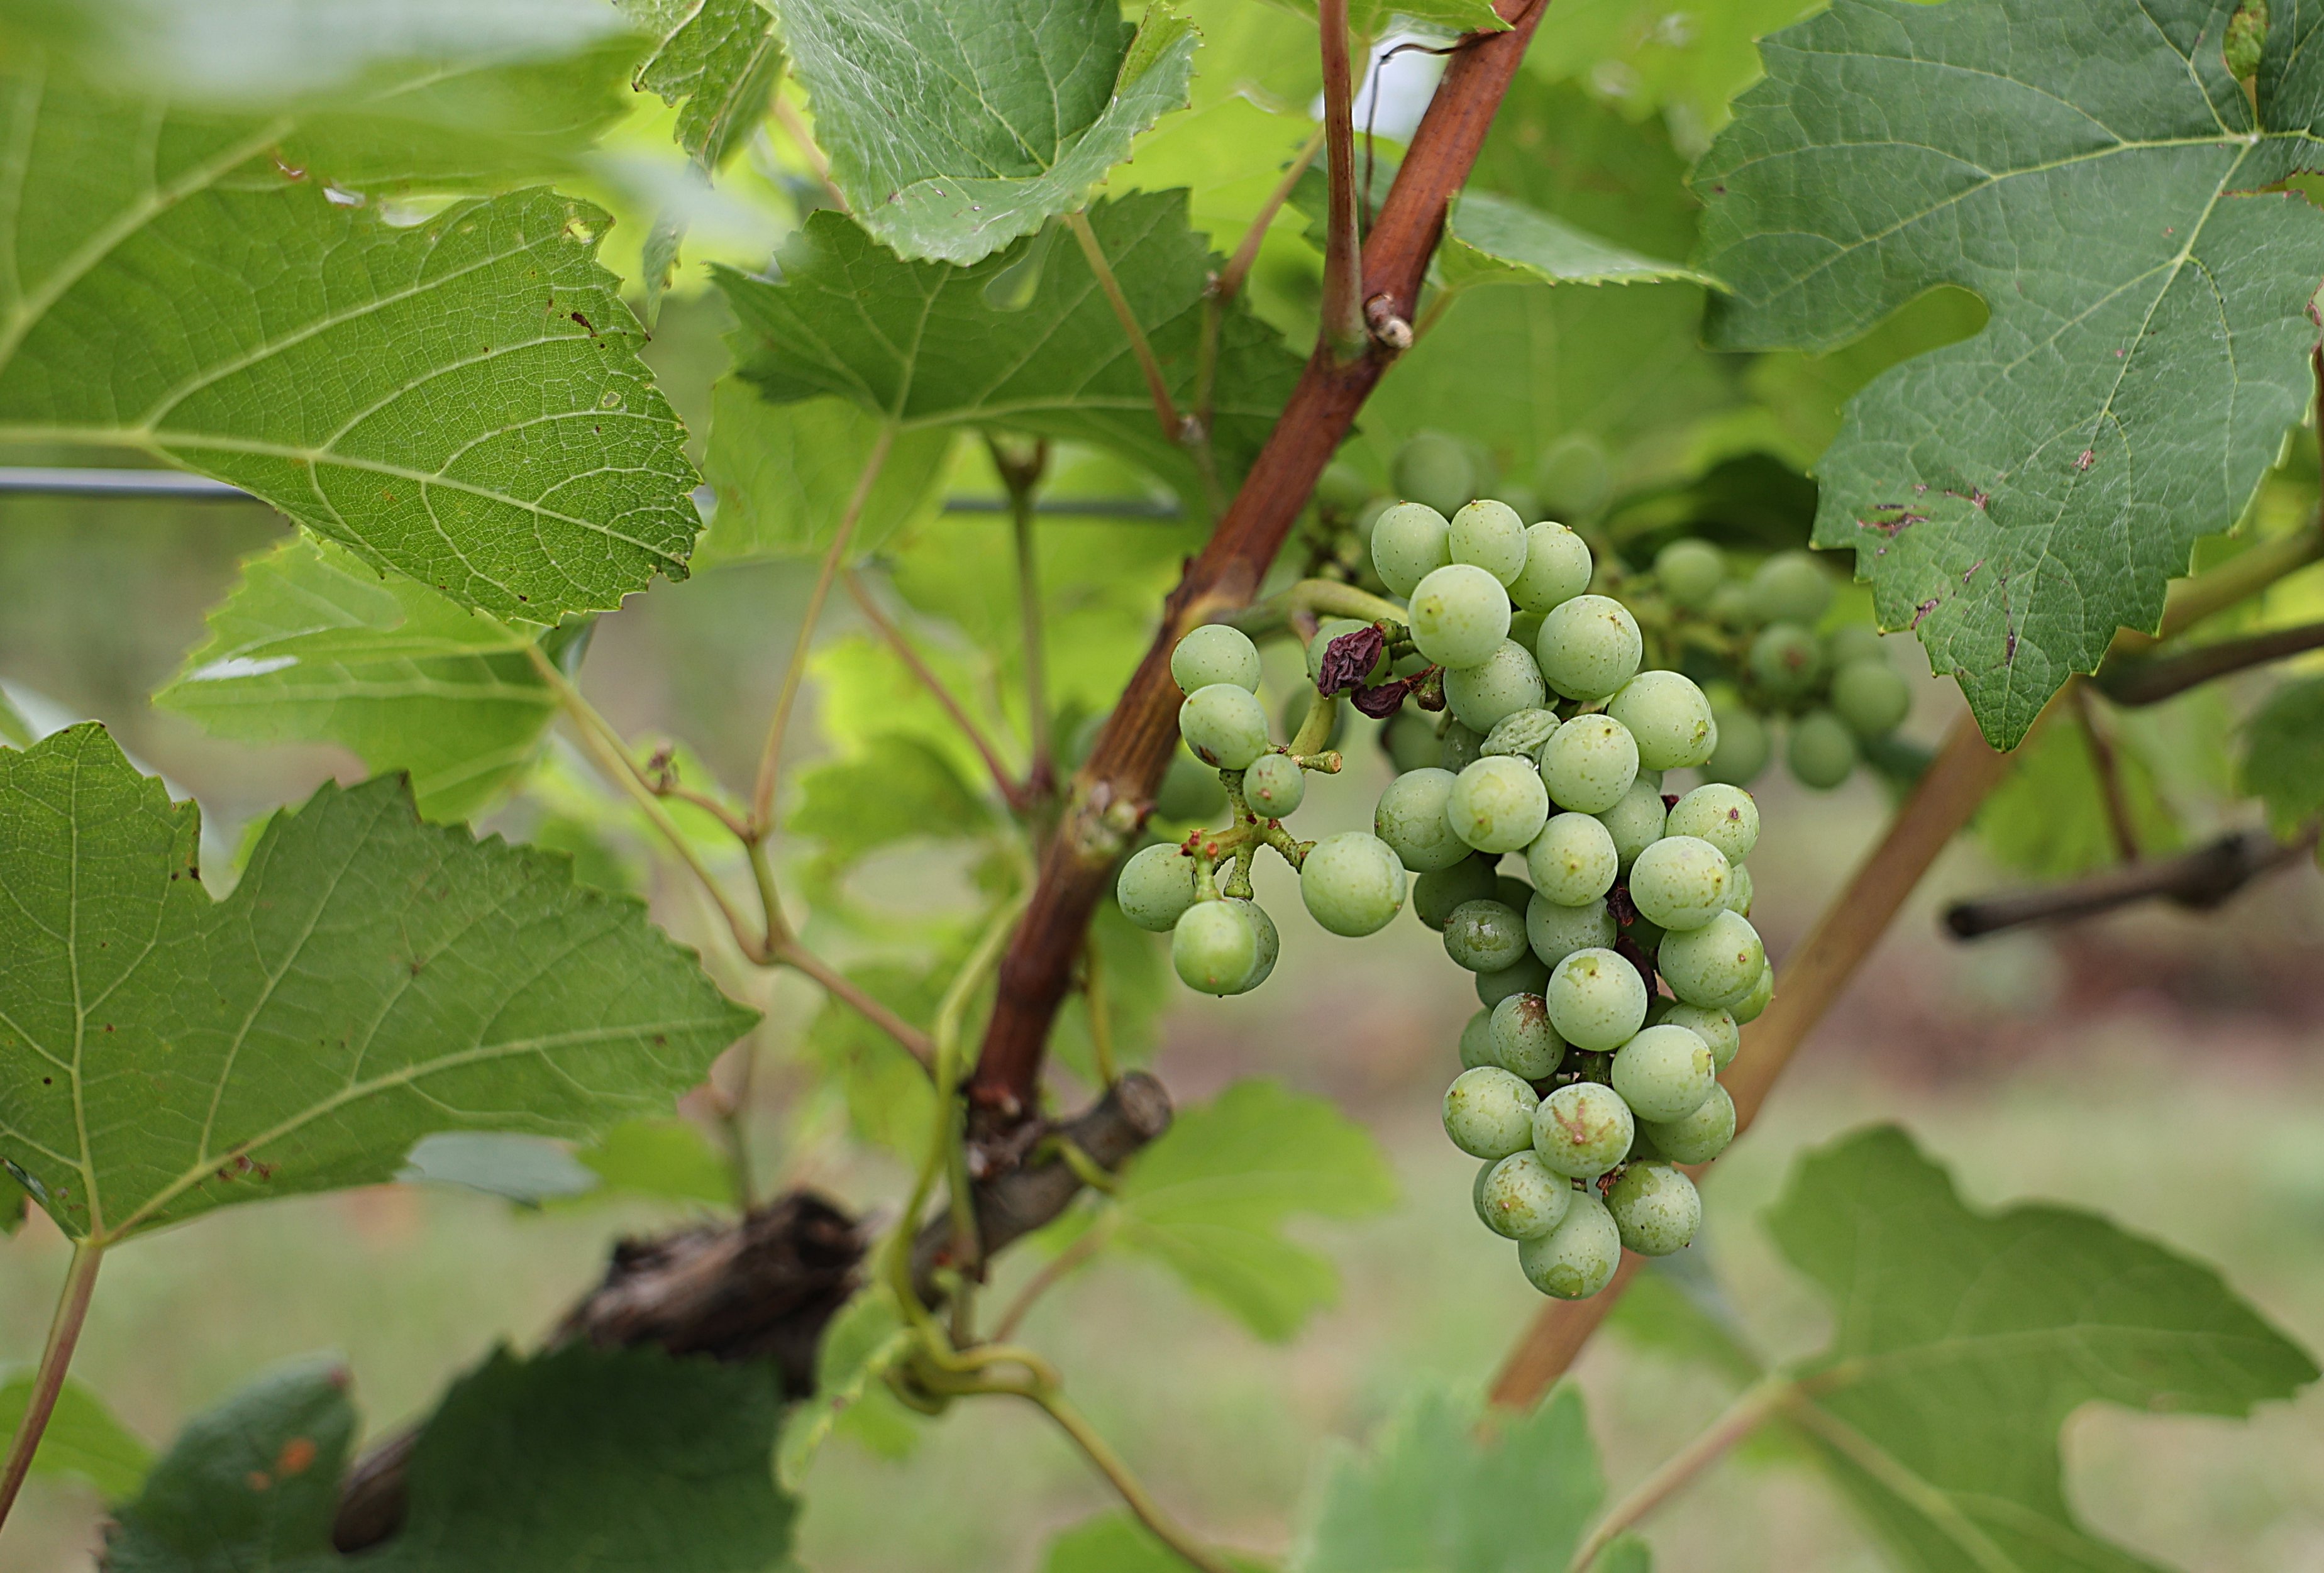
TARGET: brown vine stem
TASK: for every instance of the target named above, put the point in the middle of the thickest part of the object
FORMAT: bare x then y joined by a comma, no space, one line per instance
49,1381
1115,788
1343,310
2152,679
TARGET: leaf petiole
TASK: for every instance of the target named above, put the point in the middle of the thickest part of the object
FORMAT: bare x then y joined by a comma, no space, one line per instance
49,1381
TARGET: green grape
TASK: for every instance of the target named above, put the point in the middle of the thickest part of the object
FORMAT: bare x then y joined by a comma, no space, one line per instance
1519,1199
1506,683
1488,1112
1476,1042
1790,587
1334,628
1214,946
1557,568
1655,1208
1762,993
1664,1072
1575,474
1224,725
1409,544
1699,1137
1270,944
1460,615
1589,647
1556,931
1156,887
1871,697
1642,932
1410,818
1215,653
1353,884
1457,747
1596,999
1484,936
1526,976
1577,1258
1437,892
1821,751
1680,883
1785,660
1743,747
1520,732
1410,740
1669,717
1635,823
1491,536
1582,1129
1730,606
1342,489
1716,1028
1522,500
1739,889
1434,469
1572,861
1190,790
1853,641
1689,571
1525,627
1523,1040
1498,804
1723,815
1274,786
1713,966
1511,891
1589,763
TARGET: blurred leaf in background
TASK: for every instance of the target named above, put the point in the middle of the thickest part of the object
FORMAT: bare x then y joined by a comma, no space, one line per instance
83,1439
2283,756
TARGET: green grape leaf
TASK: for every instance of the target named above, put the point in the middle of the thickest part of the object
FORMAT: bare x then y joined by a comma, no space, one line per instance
458,397
1963,1340
315,645
372,978
1677,1308
889,1102
1646,57
862,1344
2050,817
1116,1542
720,59
2284,754
2096,177
83,1439
1494,240
897,789
1022,339
954,126
661,1157
1433,1494
1210,1198
785,473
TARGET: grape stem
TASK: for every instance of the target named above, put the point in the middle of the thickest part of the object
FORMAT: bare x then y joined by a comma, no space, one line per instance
2151,679
1054,1271
1012,791
1101,1024
49,1381
787,116
1158,388
2108,765
1750,1409
1022,477
1343,309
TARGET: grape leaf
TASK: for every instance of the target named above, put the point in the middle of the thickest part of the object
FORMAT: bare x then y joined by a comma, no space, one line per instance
1644,56
1963,1341
720,59
370,979
83,1439
1210,1198
2099,179
785,473
864,1340
1435,1496
889,1103
458,398
1493,240
1677,1308
661,1157
314,645
2049,818
1115,1542
954,126
1023,339
896,790
2284,754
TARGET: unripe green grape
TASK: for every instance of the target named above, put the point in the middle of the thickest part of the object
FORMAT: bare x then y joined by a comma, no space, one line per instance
1790,587
1714,966
1498,804
1655,1208
1353,884
1785,660
1335,628
1575,474
1521,733
1577,1258
1572,861
1730,606
1488,1112
1271,943
1437,892
1460,615
1582,1129
1524,1040
1642,932
1853,641
1689,571
1526,976
1434,469
1762,994
1589,647
1214,946
1664,1072
1699,1137
1409,544
1596,999
1871,697
1739,889
1342,489
1274,786
1491,536
1224,724
1820,750
1410,818
1215,653
1743,749
1556,931
1670,718
1724,815
1190,790
1410,741
1519,1199
1716,1028
1511,891
1589,763
1506,684
1525,627
1156,887
1557,568
1476,1042
1457,747
1680,883
1484,936
1635,823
